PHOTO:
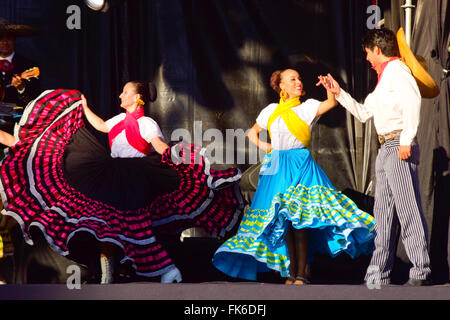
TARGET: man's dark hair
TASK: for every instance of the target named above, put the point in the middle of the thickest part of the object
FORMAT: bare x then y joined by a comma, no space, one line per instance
382,38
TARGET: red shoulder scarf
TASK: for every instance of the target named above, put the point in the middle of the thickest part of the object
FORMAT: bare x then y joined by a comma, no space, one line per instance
132,133
382,67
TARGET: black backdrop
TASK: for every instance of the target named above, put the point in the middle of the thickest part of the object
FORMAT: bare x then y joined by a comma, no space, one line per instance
212,59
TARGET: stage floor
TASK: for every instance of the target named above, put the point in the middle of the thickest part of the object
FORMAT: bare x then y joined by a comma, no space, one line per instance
220,291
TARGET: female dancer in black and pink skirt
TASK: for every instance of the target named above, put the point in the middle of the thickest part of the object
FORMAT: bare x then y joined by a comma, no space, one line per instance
59,178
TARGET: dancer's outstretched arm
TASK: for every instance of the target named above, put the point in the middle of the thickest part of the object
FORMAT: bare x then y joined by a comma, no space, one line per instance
7,139
97,122
331,101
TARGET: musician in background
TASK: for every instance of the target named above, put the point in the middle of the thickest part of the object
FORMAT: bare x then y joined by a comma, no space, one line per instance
13,87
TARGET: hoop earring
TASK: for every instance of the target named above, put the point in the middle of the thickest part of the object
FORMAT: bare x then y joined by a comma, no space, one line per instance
283,95
140,101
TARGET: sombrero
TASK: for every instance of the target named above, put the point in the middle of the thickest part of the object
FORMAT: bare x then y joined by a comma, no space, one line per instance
18,30
428,88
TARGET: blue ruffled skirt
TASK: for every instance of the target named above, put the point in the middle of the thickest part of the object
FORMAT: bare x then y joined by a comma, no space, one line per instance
293,189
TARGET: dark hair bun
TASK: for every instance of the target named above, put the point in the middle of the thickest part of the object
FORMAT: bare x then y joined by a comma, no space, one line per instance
275,80
146,89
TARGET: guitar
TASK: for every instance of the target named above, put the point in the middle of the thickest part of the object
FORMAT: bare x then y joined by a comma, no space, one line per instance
26,75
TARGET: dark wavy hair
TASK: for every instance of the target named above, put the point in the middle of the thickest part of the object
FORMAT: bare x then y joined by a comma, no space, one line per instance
382,38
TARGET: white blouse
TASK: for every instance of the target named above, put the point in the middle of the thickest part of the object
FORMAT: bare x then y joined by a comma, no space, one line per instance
282,138
120,148
394,104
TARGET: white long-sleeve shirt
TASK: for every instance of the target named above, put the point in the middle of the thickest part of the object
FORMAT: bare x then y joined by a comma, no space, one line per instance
394,104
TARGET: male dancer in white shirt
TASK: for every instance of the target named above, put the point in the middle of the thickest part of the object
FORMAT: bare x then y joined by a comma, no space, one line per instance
395,107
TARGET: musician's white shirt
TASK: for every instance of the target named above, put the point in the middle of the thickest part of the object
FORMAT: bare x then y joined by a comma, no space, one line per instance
10,57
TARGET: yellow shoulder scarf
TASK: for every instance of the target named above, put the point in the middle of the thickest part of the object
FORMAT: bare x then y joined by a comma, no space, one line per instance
298,127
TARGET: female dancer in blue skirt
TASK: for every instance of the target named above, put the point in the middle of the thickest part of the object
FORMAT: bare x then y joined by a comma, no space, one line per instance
296,212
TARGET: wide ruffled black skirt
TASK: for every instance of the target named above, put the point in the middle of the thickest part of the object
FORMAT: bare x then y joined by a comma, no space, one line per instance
60,179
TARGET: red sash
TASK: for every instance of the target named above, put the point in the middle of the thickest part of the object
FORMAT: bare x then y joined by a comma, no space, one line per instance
132,133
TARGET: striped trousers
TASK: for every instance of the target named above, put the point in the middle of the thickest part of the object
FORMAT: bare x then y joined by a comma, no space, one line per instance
397,200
